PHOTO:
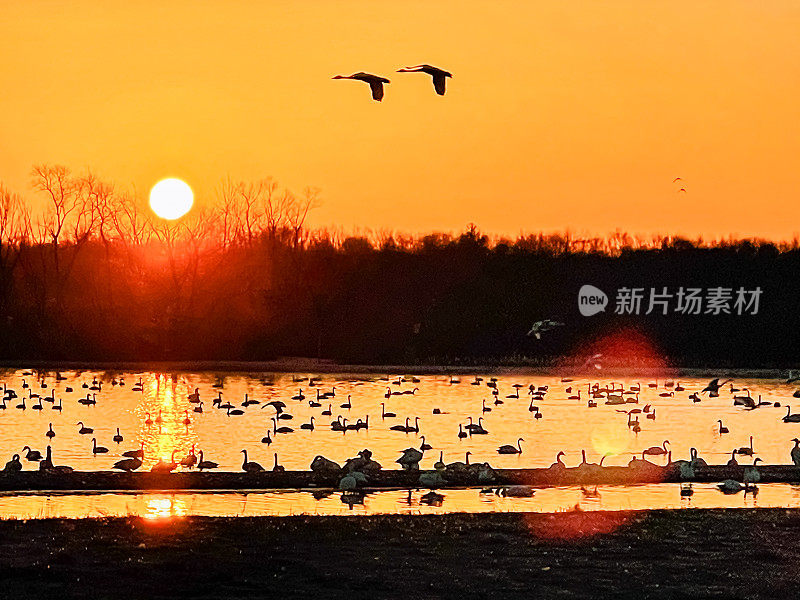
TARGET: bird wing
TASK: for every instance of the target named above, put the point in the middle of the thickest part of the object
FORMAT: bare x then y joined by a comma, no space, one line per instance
377,90
439,83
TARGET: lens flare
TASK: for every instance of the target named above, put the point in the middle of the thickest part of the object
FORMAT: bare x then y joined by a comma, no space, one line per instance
609,439
575,524
623,349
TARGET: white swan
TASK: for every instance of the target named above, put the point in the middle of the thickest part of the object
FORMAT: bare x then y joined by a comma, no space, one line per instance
249,466
751,474
791,418
656,450
729,486
746,450
509,449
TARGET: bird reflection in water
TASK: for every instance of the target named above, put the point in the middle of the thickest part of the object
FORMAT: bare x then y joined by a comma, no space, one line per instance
352,497
590,492
432,499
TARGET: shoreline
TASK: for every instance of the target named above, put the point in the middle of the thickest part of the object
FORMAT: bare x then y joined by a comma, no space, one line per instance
302,365
652,554
84,481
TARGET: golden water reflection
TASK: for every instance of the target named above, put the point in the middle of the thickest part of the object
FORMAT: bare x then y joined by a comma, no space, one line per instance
160,507
328,502
165,403
155,418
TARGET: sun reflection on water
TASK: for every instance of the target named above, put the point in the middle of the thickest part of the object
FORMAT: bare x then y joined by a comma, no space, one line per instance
568,424
165,402
162,507
608,439
583,502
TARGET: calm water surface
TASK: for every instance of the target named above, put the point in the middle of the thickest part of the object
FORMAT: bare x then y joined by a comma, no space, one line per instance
284,503
566,424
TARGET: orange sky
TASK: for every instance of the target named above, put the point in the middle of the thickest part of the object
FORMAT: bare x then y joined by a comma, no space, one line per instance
560,114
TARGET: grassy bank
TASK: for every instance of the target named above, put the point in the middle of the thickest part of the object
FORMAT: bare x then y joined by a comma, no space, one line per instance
665,554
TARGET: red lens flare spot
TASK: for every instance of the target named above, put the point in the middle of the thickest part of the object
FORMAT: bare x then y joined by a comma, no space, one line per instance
575,524
625,350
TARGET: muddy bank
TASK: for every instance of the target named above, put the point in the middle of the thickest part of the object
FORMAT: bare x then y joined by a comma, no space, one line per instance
385,479
661,554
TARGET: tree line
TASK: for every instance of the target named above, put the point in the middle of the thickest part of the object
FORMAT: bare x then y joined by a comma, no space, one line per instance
87,272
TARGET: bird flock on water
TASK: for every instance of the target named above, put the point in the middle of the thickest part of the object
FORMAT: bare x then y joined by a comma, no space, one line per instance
357,471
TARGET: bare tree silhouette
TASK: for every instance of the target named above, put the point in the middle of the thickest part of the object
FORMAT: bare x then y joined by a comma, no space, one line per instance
14,224
93,273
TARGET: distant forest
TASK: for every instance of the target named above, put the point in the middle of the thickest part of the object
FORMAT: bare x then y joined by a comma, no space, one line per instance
93,276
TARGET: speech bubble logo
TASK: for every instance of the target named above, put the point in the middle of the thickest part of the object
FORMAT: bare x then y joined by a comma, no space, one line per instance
591,300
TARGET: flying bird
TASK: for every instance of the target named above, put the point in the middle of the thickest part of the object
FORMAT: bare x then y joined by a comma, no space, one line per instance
593,361
540,327
682,190
676,180
439,75
375,82
714,385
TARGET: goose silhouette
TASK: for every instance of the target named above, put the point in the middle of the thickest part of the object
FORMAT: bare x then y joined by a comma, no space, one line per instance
375,82
439,75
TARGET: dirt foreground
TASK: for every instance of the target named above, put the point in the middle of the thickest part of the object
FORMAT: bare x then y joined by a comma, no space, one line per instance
658,554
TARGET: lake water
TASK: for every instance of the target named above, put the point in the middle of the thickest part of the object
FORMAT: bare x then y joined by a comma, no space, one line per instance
565,424
329,502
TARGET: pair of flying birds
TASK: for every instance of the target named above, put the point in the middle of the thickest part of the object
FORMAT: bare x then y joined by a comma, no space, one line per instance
376,81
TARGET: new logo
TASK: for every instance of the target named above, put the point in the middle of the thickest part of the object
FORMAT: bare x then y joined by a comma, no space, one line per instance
591,300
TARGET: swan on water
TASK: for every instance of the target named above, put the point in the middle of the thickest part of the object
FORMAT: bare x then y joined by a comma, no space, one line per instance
509,449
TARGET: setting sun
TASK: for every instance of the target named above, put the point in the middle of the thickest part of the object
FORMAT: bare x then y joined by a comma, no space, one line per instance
171,198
